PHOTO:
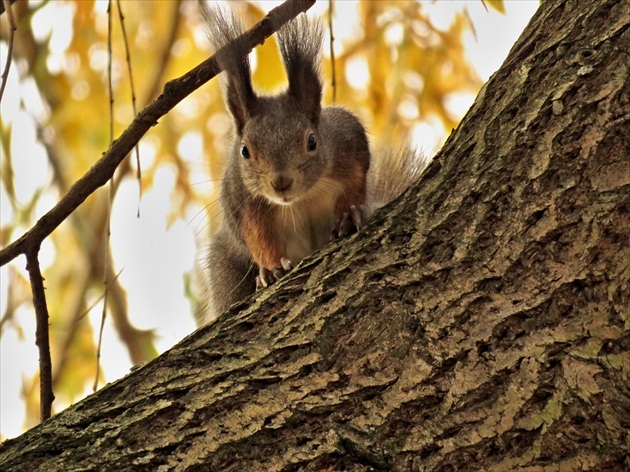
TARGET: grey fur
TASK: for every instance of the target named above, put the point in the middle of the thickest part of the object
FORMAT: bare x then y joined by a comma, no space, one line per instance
392,171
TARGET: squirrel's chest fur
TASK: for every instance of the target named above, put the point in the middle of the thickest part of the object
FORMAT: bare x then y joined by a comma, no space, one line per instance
306,225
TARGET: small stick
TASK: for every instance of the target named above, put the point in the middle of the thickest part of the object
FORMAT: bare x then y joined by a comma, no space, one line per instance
332,50
121,17
12,28
42,339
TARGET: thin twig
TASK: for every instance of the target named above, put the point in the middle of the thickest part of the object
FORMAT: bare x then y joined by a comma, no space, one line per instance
110,197
332,50
87,311
163,58
4,7
42,339
109,72
100,337
13,299
106,286
12,28
121,17
174,92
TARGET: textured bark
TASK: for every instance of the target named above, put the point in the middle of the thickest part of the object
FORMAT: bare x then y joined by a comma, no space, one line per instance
479,323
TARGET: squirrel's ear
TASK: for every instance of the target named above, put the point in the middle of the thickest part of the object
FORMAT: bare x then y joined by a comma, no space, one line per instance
240,95
301,48
223,30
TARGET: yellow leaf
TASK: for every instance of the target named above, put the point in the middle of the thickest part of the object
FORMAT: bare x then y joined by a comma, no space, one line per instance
495,5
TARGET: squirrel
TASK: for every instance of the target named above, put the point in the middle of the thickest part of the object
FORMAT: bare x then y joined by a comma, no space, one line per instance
297,174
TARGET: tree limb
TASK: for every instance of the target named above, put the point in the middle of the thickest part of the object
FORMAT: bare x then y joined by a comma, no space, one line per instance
42,337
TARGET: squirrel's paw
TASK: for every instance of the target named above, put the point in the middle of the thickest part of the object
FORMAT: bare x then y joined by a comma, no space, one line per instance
350,222
266,277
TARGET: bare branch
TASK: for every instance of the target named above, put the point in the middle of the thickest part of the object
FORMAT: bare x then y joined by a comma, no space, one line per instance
5,74
110,198
4,6
121,17
173,29
41,333
332,50
174,92
100,334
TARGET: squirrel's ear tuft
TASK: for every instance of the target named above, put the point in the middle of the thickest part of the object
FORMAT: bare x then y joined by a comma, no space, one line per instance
223,29
300,43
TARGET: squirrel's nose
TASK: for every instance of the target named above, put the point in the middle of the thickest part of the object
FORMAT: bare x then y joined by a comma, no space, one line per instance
281,183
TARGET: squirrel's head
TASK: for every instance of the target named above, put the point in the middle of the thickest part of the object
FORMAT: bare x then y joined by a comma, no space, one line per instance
282,154
280,148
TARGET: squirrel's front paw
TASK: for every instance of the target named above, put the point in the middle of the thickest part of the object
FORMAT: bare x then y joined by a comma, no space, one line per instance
350,222
266,277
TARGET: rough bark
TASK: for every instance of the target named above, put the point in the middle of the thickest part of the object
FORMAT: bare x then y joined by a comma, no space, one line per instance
479,323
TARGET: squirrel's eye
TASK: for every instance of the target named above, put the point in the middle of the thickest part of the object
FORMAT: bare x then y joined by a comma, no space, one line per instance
245,152
311,144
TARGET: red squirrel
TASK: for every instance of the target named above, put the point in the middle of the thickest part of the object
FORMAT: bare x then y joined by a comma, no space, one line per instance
296,175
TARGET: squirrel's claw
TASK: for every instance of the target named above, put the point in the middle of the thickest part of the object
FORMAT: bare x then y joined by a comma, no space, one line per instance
266,277
358,216
350,222
287,265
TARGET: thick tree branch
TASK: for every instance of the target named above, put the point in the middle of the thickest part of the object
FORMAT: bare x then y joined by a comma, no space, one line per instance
479,323
174,92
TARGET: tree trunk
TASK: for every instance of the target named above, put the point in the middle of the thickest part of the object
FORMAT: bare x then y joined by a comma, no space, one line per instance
481,322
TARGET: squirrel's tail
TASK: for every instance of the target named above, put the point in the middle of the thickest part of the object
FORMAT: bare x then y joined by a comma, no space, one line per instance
392,171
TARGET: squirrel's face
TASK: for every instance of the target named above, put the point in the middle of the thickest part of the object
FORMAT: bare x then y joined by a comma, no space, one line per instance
282,156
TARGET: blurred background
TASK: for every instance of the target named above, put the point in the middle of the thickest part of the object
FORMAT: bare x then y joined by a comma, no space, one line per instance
409,69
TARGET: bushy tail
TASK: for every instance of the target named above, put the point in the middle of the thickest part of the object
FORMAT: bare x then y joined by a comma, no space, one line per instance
391,172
